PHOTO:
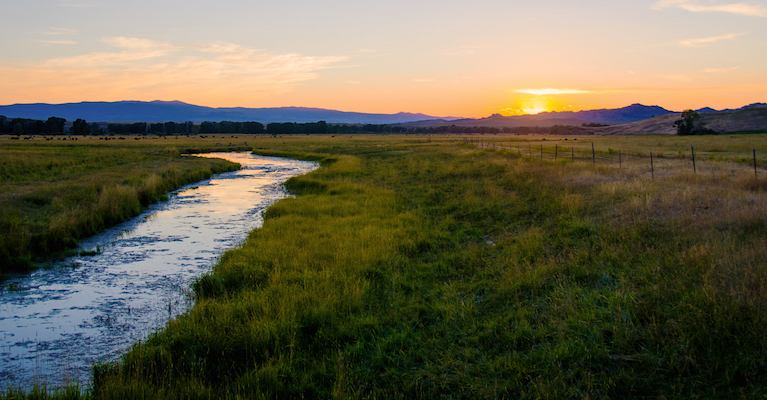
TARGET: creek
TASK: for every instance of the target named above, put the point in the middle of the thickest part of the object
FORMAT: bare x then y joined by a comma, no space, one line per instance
56,322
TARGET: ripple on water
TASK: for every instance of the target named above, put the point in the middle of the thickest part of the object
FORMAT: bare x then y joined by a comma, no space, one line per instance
55,323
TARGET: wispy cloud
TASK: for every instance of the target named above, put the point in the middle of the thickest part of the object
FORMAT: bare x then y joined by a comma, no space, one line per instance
709,40
60,31
221,47
58,41
134,50
755,10
719,70
550,91
142,68
137,43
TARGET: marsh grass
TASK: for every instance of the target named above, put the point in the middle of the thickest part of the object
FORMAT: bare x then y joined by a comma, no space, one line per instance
723,155
53,194
413,267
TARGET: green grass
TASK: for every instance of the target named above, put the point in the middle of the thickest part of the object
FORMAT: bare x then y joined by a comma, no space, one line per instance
422,268
52,194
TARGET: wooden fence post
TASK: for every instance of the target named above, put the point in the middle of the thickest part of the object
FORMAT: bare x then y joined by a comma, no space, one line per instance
593,157
556,150
694,170
754,162
652,167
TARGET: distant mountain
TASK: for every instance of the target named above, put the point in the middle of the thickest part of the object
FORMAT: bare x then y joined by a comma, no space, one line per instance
711,110
749,118
617,116
632,113
177,111
706,110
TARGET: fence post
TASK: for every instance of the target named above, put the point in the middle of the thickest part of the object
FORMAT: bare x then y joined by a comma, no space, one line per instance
652,167
754,162
694,170
541,152
620,160
593,157
556,150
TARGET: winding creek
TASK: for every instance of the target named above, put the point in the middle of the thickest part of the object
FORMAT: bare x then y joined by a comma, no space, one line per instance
57,322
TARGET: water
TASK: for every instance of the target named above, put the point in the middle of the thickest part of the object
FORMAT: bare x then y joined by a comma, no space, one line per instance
55,323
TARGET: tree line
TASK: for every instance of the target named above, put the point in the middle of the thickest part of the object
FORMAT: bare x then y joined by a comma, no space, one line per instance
24,126
56,126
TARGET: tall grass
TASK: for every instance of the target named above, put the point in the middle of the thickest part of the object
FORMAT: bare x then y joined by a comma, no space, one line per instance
420,268
53,194
428,270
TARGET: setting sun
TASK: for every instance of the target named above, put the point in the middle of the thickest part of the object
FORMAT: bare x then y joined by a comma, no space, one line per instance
534,106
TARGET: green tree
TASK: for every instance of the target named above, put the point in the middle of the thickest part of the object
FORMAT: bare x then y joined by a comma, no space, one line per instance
691,123
686,125
80,127
55,125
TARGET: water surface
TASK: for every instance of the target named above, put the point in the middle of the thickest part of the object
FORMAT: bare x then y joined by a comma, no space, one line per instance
56,322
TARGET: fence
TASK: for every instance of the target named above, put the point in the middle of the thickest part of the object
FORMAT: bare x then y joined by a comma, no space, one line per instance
653,164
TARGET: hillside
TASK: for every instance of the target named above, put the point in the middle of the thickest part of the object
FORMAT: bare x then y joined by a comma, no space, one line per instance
164,111
746,119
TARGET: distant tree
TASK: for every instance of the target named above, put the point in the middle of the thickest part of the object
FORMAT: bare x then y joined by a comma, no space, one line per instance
80,127
686,124
156,128
171,128
18,129
691,124
55,125
209,127
252,127
137,127
96,129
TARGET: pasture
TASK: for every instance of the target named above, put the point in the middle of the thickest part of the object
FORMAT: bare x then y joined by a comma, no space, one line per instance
427,267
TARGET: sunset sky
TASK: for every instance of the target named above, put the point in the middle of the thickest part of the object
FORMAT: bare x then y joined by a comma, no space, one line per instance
444,58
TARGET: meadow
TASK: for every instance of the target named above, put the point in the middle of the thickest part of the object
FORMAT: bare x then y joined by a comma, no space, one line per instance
438,267
55,192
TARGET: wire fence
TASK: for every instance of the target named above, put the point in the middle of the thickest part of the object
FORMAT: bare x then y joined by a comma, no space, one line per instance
653,164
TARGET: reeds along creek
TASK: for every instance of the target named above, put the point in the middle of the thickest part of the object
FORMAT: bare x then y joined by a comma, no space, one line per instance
91,307
53,194
410,267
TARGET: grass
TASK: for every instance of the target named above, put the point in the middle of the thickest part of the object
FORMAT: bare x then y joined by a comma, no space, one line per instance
410,267
52,194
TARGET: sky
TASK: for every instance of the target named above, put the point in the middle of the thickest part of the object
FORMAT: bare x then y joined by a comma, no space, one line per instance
442,58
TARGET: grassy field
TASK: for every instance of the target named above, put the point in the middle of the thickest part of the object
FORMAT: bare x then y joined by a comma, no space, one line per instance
55,192
414,267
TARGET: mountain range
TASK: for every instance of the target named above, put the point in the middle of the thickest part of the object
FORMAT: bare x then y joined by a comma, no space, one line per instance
164,111
177,111
615,116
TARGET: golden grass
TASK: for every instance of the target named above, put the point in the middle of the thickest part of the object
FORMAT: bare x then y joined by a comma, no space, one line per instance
425,267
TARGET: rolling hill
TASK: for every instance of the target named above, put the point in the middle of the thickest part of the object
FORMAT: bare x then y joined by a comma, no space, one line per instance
177,111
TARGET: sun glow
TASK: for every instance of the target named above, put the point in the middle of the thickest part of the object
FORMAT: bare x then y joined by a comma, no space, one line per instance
534,106
534,110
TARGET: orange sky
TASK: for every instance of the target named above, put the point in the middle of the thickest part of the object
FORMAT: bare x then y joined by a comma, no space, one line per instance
442,58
